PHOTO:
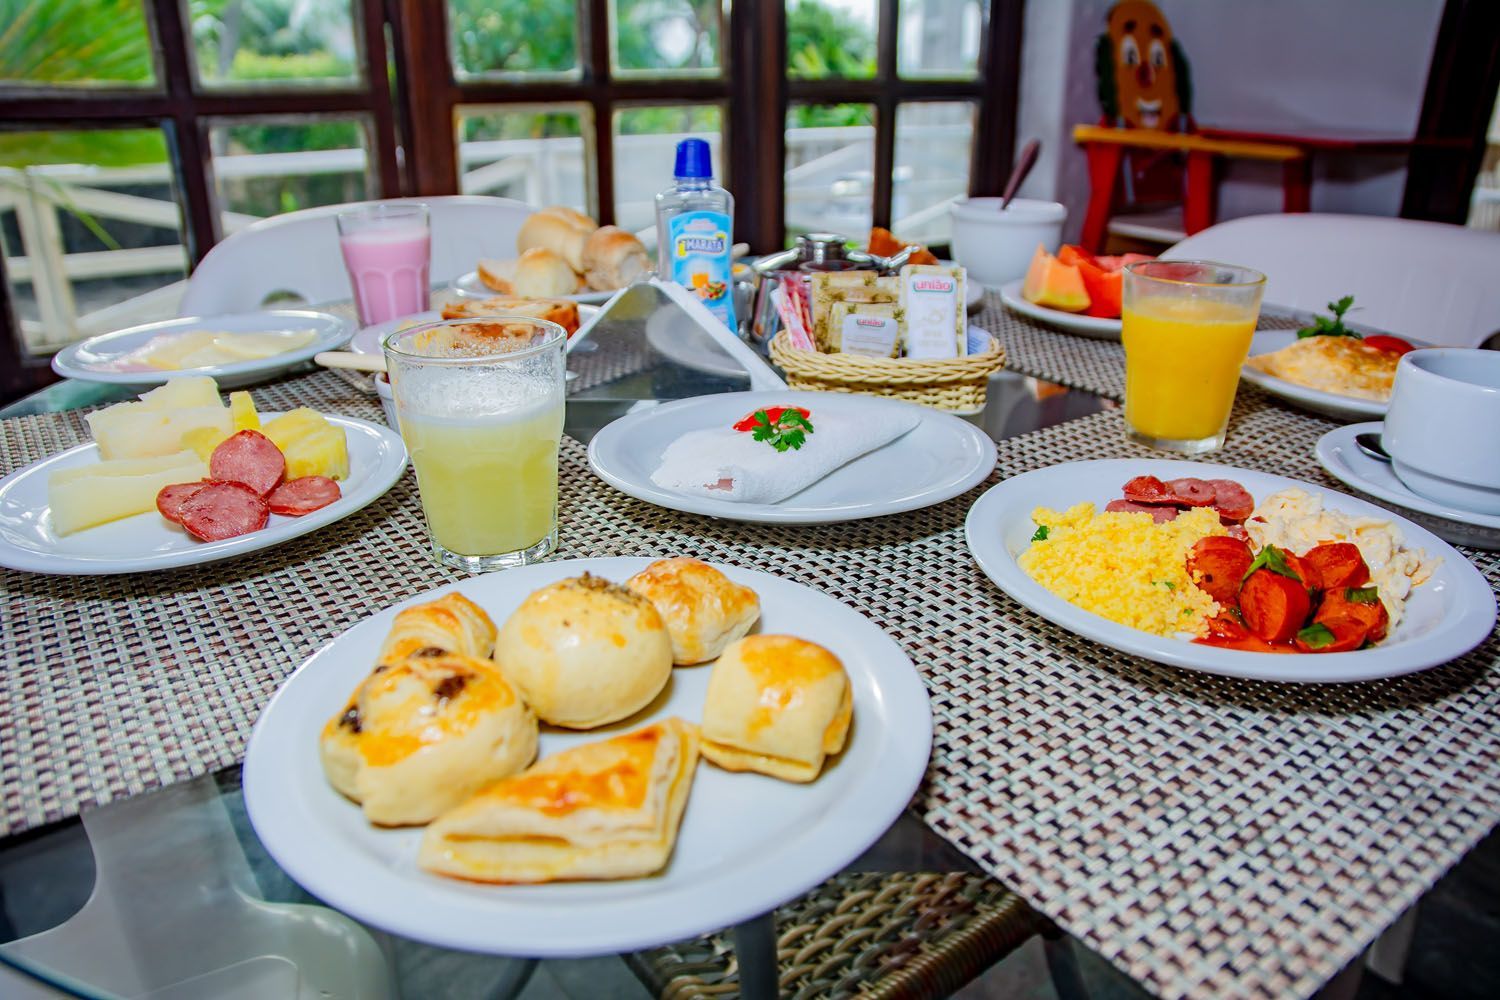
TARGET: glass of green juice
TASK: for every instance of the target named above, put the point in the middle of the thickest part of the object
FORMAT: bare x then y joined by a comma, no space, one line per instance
480,404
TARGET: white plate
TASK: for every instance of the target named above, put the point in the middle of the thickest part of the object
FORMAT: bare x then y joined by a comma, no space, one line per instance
1338,454
747,844
469,284
1445,617
369,338
91,360
1328,403
1086,326
937,460
149,541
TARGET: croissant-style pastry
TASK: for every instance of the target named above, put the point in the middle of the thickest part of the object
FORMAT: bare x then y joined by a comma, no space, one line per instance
450,624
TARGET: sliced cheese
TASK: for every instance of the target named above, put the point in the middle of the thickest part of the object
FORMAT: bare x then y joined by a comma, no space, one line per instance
88,495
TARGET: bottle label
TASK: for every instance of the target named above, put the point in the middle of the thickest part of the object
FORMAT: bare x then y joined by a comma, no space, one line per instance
700,248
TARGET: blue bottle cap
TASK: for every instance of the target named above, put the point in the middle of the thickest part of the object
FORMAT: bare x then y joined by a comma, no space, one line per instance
694,160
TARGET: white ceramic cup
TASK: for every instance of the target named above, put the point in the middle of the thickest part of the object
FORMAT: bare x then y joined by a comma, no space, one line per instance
995,246
1443,427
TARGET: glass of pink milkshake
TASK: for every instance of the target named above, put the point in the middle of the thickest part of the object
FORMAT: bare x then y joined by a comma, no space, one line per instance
388,250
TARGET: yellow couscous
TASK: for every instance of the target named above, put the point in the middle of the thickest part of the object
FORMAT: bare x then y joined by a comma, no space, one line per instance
1124,566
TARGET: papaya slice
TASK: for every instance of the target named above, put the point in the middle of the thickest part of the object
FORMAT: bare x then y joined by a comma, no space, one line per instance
1053,284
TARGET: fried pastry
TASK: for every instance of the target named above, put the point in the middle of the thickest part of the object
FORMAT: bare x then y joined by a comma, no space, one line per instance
703,609
777,705
602,810
586,652
450,624
422,734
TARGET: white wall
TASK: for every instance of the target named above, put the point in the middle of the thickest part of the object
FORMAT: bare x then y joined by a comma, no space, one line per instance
1293,65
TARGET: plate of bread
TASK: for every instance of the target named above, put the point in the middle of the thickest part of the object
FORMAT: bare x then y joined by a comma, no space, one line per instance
587,756
565,313
561,253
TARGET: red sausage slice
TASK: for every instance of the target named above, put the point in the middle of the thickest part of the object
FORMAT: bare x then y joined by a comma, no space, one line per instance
303,496
248,457
1147,489
169,500
1158,513
1191,492
223,510
1233,502
1274,606
1217,564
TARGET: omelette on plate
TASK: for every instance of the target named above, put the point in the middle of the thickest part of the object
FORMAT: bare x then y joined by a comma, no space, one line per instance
1343,365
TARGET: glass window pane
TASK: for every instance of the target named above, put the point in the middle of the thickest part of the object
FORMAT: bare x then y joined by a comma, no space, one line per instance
666,37
75,43
533,153
830,38
830,169
261,43
266,166
933,144
91,231
940,38
511,38
645,146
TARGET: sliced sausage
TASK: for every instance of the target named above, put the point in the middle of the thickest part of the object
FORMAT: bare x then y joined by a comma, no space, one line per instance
1158,513
1191,492
1233,502
1217,564
1336,604
1306,572
1344,633
248,457
1339,564
1274,606
223,510
169,500
1147,489
303,496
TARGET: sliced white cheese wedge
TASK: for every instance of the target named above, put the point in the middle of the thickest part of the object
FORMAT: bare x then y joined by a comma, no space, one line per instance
88,495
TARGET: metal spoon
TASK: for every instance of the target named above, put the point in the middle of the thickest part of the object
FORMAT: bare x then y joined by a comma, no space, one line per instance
1369,443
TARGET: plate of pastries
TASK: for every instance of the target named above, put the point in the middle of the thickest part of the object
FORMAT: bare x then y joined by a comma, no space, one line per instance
587,756
561,253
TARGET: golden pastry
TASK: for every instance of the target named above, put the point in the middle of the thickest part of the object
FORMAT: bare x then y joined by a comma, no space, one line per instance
586,652
421,735
602,810
450,624
703,609
1341,365
778,705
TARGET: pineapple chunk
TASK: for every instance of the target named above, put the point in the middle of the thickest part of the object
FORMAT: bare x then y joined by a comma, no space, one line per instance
242,412
87,495
203,440
312,446
129,430
177,393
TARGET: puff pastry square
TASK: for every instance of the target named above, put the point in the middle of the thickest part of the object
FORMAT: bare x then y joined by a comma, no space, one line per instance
602,810
778,705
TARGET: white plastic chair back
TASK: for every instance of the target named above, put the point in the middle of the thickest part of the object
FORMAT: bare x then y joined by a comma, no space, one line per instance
1427,280
298,253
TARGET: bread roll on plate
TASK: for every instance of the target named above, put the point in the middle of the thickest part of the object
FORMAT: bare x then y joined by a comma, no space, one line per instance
450,624
613,258
703,609
541,272
586,652
602,810
777,705
421,735
558,229
496,274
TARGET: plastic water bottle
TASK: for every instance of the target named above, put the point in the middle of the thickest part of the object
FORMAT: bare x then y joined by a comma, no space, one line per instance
694,231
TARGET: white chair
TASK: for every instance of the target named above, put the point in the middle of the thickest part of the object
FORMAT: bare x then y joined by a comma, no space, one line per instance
1427,280
298,253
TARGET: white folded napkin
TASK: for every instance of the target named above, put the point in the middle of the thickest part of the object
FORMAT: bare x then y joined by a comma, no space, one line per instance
725,464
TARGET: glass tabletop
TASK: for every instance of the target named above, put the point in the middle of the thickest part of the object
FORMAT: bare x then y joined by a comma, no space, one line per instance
169,893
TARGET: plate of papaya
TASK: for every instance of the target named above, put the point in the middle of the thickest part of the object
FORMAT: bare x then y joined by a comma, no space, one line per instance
1075,291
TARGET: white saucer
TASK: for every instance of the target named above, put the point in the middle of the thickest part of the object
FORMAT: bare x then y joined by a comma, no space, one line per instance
1343,460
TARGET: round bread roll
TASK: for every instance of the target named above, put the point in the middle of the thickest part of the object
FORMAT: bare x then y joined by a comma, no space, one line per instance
422,735
586,652
613,258
703,609
778,705
558,229
543,273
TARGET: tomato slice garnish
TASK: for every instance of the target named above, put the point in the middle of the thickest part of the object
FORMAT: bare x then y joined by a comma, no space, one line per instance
1394,345
773,414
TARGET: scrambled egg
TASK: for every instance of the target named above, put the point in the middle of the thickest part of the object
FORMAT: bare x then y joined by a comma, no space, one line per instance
1342,365
1124,566
1294,519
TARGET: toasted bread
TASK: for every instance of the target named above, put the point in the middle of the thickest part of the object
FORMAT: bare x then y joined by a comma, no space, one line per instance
560,311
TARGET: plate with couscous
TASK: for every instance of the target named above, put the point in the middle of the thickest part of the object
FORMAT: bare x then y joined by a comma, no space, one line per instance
1229,570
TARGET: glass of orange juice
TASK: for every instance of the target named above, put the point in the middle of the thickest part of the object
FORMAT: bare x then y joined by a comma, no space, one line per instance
1186,328
480,404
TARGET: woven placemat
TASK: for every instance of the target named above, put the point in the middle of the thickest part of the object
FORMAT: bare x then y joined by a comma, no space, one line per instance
1211,837
1070,359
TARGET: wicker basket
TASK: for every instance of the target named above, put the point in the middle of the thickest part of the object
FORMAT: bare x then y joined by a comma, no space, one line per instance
956,384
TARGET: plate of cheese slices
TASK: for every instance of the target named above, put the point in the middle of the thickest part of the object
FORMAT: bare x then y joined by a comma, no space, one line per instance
587,756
